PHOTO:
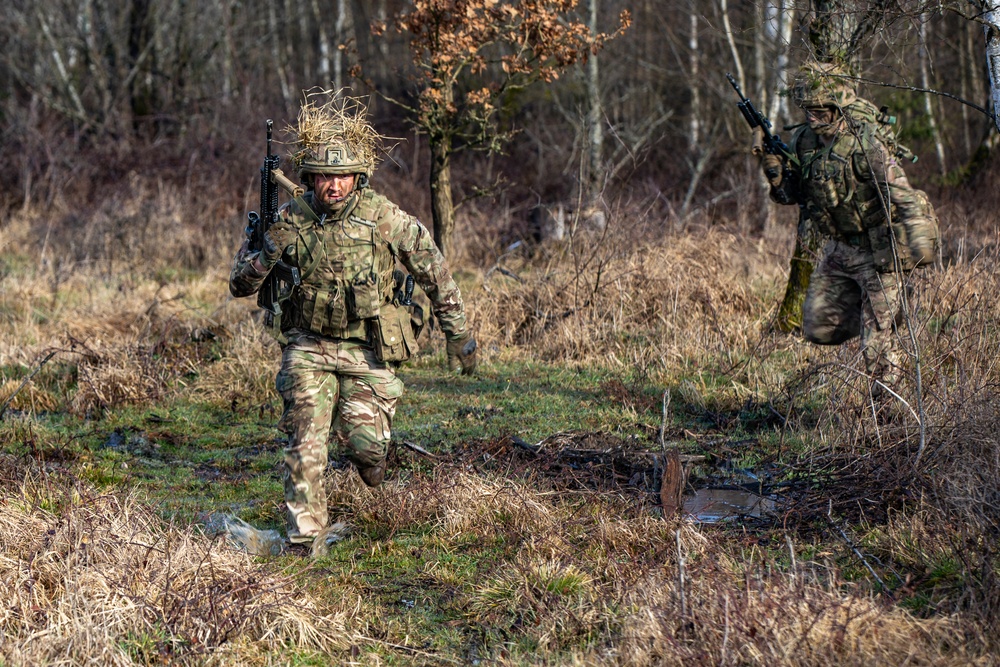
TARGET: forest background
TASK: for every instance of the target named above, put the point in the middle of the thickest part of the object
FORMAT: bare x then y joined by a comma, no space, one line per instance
623,268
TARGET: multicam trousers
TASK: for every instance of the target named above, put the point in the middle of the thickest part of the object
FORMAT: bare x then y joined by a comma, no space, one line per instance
332,389
847,297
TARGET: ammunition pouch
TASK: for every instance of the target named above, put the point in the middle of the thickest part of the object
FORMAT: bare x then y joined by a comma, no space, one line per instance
907,242
324,312
278,287
913,242
391,334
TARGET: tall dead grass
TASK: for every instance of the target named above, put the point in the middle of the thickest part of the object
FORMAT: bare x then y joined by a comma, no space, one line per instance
617,297
91,578
588,571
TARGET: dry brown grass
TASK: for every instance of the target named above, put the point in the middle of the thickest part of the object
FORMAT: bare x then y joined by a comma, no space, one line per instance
99,579
678,299
587,569
688,311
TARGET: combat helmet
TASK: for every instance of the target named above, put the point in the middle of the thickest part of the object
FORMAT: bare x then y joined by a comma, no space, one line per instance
333,136
823,85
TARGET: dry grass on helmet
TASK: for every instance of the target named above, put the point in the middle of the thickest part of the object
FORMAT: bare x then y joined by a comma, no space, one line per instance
327,116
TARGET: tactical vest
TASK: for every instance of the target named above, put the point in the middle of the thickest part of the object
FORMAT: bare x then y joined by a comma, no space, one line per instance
836,186
345,267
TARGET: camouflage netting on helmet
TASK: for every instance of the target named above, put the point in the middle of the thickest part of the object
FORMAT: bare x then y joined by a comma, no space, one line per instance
333,135
823,85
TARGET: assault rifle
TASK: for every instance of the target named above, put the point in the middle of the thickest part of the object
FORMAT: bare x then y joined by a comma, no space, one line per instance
771,143
282,276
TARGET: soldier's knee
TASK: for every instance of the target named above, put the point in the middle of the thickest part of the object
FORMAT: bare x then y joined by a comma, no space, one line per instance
827,335
365,448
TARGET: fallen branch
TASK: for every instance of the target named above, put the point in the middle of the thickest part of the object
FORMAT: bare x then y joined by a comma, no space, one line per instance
851,545
418,449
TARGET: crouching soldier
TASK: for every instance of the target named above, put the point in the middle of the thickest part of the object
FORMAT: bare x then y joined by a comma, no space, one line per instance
844,172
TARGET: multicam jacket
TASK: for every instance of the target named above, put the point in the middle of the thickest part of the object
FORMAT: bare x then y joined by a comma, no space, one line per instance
847,188
346,264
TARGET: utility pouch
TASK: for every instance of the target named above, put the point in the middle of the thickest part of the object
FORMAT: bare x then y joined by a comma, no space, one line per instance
391,335
337,310
366,299
916,244
916,238
319,318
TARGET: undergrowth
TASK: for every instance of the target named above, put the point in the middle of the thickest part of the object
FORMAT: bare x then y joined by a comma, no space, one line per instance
521,522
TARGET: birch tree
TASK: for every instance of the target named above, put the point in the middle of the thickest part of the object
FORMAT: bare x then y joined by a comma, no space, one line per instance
991,26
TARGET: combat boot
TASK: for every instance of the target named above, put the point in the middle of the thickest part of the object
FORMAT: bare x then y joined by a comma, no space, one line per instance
372,475
302,529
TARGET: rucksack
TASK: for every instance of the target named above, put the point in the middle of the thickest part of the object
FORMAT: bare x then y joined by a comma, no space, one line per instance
866,117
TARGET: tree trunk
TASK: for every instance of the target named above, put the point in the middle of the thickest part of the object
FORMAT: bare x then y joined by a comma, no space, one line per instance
276,55
779,113
142,97
228,49
694,62
339,26
925,82
595,124
800,269
442,205
991,26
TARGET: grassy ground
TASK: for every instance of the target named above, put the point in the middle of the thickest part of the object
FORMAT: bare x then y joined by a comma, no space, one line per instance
529,530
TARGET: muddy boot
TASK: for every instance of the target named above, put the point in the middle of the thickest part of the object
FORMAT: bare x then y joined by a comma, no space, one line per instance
305,532
372,475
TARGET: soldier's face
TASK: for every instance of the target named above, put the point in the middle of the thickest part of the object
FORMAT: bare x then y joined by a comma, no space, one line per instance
822,120
332,189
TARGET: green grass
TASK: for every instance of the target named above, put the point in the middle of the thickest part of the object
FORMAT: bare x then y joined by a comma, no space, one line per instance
428,596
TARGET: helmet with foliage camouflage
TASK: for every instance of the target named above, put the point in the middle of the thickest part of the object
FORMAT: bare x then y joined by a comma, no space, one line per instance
333,136
823,85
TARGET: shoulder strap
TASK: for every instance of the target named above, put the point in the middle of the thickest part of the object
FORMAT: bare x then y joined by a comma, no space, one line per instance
312,243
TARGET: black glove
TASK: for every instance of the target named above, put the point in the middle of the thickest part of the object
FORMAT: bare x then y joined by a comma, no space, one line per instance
773,165
462,353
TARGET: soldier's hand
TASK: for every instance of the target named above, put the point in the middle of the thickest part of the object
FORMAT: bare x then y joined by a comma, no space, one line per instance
276,239
773,165
462,353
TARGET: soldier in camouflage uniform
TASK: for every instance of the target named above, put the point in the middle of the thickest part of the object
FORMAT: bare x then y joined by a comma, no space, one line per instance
844,173
341,329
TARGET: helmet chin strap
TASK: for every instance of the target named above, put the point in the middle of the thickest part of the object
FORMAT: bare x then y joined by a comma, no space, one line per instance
361,182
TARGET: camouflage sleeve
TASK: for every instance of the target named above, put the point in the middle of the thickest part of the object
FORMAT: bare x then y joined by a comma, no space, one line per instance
245,279
876,163
412,244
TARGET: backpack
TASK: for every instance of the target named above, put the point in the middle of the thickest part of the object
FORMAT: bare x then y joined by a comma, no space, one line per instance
866,117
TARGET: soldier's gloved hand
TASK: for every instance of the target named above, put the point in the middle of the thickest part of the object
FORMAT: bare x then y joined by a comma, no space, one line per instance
772,165
462,353
276,239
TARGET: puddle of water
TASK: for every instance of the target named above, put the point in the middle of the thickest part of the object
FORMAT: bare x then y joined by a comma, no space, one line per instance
716,505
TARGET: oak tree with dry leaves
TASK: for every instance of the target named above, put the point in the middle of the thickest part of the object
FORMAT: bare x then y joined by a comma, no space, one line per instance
469,54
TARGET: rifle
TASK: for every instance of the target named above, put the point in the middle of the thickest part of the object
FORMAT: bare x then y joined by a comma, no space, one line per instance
282,276
771,143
